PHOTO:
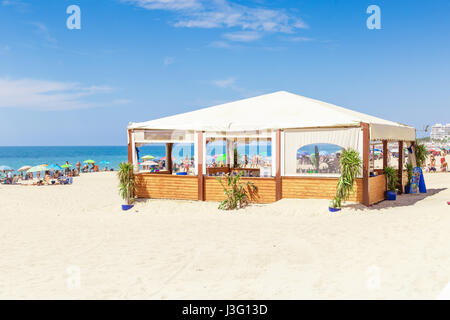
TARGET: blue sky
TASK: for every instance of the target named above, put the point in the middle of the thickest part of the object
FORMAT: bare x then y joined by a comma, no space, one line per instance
136,60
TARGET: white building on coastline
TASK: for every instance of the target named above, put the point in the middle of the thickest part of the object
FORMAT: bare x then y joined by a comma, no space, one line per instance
440,131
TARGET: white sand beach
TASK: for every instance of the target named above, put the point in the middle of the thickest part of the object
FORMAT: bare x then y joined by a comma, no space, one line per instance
164,249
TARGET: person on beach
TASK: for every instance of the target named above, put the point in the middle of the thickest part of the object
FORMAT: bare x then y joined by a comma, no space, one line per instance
433,162
78,165
444,166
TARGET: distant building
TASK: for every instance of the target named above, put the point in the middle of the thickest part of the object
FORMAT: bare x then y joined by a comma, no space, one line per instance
440,131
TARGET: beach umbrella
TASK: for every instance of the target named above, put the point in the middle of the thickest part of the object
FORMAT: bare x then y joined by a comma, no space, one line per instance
148,157
149,163
37,169
65,166
54,167
164,159
323,153
89,161
220,157
6,168
24,168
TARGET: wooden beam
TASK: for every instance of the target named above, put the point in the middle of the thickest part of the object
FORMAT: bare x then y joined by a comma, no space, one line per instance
366,166
130,151
169,157
385,154
201,177
401,159
278,185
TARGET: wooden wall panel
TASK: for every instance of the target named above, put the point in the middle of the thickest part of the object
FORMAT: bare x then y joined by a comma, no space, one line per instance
266,189
377,188
160,186
317,188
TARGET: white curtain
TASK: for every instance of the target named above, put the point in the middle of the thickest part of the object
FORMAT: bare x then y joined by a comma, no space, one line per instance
295,139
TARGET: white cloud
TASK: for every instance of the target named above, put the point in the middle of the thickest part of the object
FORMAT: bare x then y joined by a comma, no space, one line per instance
5,49
300,39
122,101
225,14
225,83
42,30
47,95
165,4
7,3
168,61
242,36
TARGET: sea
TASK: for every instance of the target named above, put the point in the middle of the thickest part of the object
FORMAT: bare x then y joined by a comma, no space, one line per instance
17,157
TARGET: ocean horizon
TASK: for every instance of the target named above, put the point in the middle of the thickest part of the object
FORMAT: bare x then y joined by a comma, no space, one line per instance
19,156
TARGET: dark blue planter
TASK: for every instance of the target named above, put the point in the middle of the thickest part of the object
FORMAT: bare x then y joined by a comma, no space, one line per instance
126,207
391,196
408,189
334,209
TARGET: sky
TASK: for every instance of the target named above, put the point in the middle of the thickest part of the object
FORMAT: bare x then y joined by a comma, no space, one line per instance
137,60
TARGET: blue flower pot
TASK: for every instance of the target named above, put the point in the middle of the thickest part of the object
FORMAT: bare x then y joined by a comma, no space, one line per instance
391,196
126,207
407,189
334,209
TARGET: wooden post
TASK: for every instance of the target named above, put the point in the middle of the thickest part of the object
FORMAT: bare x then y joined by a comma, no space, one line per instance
169,157
201,177
278,191
385,154
366,168
400,166
130,151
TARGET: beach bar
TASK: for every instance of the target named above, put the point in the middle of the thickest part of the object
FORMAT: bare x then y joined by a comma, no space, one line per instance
286,144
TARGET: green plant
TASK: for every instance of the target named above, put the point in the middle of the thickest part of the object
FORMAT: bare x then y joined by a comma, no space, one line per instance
392,178
421,154
235,157
350,163
237,194
409,170
126,182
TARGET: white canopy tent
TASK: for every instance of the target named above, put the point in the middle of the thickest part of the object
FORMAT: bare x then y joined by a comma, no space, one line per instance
279,110
288,120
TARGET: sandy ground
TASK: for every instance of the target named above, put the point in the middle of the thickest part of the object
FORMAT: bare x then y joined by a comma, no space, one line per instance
74,241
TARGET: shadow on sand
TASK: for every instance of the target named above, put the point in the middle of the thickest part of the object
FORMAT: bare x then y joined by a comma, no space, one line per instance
403,200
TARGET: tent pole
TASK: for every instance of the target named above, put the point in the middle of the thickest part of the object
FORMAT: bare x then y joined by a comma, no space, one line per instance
200,176
366,152
385,154
130,151
400,166
278,191
169,157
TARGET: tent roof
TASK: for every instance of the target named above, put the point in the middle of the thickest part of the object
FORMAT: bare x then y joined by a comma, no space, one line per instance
278,110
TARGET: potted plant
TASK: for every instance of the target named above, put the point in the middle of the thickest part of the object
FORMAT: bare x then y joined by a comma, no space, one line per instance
350,163
421,154
409,170
237,194
235,157
392,180
126,184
